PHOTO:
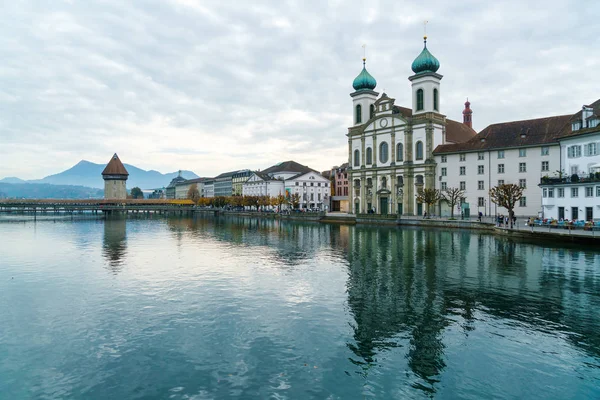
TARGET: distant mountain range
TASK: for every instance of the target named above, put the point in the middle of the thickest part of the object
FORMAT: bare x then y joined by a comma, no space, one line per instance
89,174
47,191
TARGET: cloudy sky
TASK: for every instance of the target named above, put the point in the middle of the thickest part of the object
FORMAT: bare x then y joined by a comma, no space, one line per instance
212,86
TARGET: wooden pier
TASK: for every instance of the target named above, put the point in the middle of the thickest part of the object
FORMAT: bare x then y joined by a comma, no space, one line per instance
96,206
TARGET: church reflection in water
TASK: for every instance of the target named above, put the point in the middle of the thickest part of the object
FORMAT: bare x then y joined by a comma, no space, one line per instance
407,287
114,246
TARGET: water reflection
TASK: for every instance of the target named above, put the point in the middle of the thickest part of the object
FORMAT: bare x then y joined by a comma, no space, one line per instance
407,287
114,245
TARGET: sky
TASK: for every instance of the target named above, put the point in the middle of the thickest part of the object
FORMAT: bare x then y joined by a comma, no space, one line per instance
215,86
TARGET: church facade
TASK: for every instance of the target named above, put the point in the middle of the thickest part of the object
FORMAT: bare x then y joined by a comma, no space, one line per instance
390,148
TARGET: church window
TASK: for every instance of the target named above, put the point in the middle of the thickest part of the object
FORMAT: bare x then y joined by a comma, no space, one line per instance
369,156
358,114
371,111
435,99
356,158
419,150
419,99
399,152
383,152
384,182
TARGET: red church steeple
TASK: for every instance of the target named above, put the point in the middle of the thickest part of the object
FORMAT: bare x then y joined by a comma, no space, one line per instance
467,114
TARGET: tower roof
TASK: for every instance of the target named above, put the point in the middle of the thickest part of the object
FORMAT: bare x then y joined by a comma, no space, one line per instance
364,80
425,62
115,167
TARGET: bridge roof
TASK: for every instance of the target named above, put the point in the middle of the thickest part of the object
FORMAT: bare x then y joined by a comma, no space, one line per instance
115,167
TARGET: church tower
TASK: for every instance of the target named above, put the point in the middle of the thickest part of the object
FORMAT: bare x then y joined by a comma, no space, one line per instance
364,97
115,178
468,114
425,82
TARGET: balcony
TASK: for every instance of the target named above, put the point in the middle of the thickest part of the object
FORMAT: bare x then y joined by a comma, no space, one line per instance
593,177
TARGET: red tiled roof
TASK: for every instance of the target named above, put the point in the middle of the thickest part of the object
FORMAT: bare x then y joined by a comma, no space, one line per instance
456,132
513,134
115,167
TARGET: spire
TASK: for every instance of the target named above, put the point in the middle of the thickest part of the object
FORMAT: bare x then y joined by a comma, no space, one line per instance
425,62
467,114
364,80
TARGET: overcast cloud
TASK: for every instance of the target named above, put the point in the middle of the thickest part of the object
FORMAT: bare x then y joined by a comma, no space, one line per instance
212,86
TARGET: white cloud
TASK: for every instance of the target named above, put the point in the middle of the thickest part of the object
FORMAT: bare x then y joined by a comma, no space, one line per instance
219,86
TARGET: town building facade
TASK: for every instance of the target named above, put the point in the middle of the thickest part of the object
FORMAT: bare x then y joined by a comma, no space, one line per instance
340,199
237,181
171,190
573,192
517,152
390,148
290,178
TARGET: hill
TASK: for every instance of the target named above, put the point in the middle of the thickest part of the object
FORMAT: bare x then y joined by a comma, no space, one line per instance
86,173
47,191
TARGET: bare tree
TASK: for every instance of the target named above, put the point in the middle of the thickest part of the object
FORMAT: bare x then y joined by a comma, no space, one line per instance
507,196
193,193
428,196
453,195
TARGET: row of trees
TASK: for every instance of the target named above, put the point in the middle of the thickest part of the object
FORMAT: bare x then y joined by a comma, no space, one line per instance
256,202
506,195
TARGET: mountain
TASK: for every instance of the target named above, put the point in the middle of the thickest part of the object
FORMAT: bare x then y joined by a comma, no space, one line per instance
47,191
11,179
86,173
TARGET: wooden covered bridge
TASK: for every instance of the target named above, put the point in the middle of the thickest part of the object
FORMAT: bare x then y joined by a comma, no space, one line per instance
96,206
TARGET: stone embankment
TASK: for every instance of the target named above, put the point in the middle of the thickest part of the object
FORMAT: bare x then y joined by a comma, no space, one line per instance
520,231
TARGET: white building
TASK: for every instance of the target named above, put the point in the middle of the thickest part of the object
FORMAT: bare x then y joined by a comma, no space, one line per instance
182,188
390,148
288,178
574,193
209,188
518,152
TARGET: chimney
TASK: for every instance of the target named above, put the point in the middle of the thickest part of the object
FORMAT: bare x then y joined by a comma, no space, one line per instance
467,114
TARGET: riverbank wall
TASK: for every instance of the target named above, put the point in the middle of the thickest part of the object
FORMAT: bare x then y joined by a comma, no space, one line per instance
519,233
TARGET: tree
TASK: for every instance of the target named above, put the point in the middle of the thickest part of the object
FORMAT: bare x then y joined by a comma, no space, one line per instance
193,193
507,196
428,196
295,200
136,193
279,201
453,195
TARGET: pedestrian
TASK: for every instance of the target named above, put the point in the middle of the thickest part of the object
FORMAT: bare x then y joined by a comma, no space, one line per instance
480,216
424,214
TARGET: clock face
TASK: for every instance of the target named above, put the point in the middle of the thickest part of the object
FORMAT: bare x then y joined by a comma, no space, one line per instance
383,123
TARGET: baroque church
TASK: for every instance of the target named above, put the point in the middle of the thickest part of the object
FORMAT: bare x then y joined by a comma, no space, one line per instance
390,148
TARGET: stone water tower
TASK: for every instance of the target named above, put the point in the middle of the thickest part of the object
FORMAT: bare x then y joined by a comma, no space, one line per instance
115,178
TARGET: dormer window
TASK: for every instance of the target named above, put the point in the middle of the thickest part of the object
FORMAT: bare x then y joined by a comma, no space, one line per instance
594,122
576,125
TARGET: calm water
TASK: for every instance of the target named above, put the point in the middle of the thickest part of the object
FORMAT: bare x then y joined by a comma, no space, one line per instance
239,308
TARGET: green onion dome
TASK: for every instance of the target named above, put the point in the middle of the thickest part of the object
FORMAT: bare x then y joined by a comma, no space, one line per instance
364,80
425,62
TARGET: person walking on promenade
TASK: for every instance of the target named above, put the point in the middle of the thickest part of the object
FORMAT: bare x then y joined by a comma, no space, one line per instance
480,216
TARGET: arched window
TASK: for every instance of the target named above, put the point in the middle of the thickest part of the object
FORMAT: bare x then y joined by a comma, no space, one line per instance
383,152
400,180
358,114
399,152
419,179
419,99
419,150
371,111
435,99
369,182
356,158
384,182
369,156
